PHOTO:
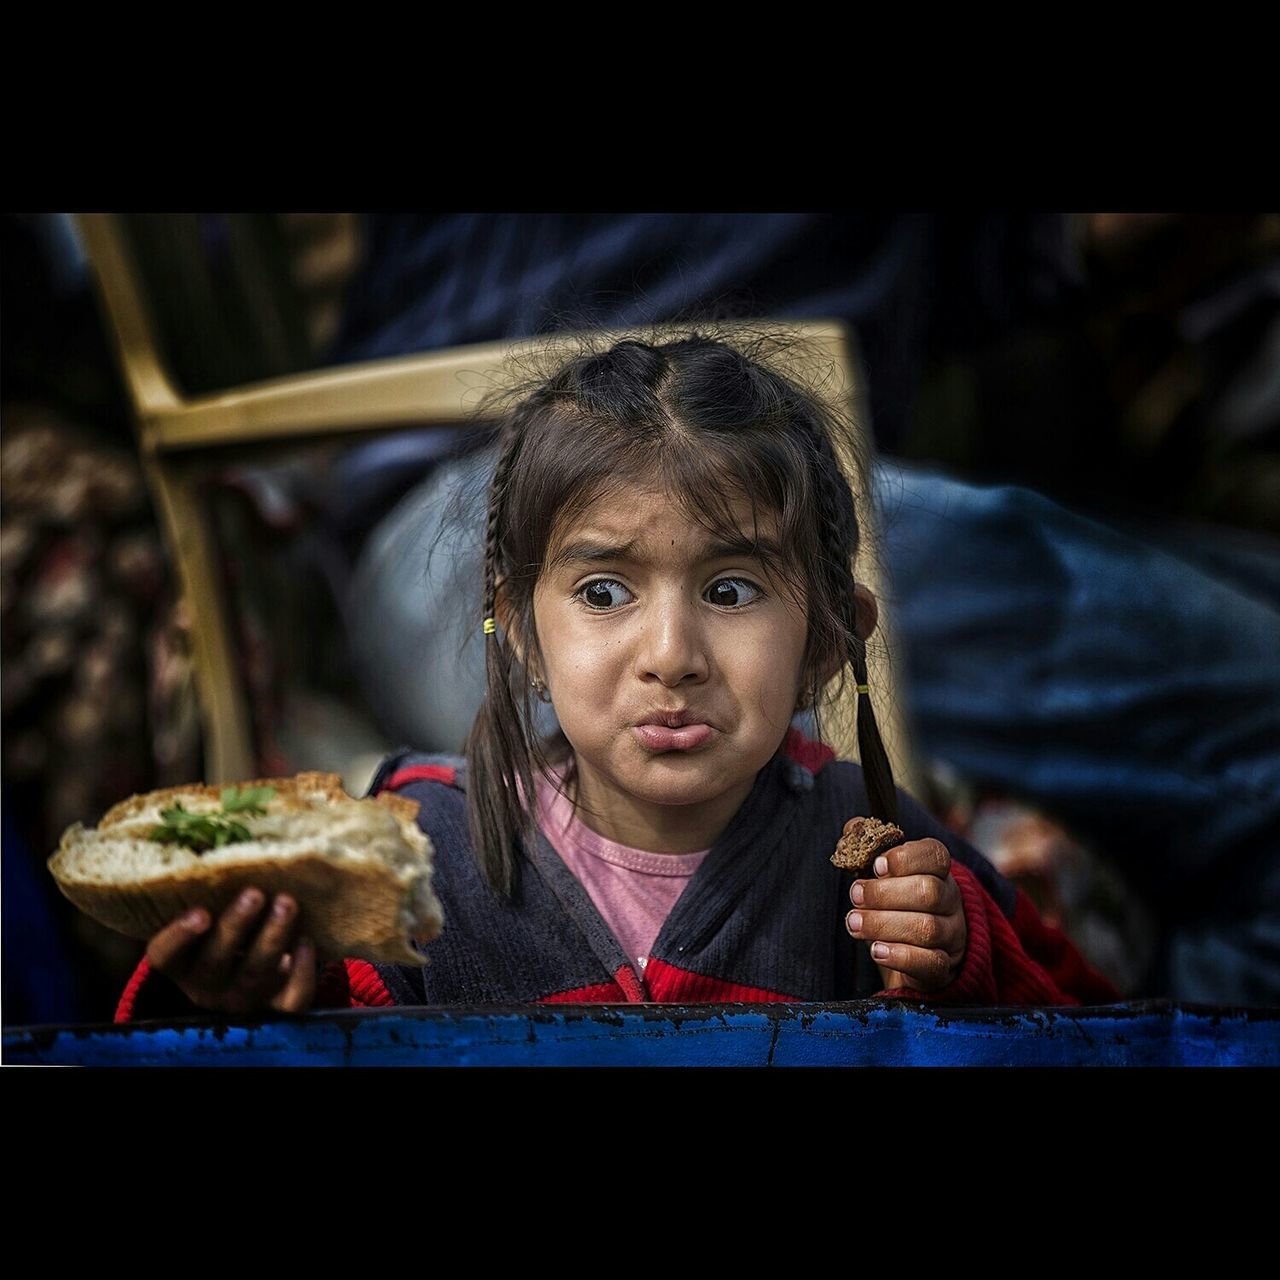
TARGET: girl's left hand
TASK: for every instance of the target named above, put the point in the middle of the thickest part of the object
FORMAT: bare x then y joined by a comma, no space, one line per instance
912,915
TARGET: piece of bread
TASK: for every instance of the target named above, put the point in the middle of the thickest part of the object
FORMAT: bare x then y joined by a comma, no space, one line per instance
360,870
862,840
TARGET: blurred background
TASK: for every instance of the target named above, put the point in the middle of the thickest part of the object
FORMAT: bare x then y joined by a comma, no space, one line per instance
1078,424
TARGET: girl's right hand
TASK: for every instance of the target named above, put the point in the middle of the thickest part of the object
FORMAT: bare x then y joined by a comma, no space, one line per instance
237,964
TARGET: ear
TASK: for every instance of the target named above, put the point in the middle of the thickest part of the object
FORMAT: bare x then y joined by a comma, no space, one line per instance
868,615
868,611
506,618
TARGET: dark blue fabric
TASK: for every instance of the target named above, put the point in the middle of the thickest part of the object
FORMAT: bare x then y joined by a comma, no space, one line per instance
1135,694
1116,683
39,986
439,280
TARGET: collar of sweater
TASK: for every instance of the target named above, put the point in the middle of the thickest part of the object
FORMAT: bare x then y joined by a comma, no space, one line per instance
742,864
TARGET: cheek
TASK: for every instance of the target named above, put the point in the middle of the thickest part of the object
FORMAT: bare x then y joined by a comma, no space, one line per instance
579,663
768,669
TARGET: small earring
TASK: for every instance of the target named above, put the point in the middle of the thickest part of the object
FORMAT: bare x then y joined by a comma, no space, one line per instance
540,689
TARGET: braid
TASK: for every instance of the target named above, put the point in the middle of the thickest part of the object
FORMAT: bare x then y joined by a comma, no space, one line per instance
835,503
881,793
507,451
498,746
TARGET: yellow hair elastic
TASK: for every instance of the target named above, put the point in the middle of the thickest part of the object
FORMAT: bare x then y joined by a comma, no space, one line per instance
490,626
862,688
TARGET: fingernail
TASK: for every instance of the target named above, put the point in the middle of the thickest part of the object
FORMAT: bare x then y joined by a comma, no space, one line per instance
250,900
195,919
854,921
882,866
858,891
281,909
880,950
286,963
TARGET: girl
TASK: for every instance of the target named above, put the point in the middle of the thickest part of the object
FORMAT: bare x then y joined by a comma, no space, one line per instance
667,564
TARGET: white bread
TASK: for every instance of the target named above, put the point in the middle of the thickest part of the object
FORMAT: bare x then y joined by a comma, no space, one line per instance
360,870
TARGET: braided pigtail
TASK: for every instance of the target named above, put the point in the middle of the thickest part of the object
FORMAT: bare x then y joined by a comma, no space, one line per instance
882,795
839,521
498,746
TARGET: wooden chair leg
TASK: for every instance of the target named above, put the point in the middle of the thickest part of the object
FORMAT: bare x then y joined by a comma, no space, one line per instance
224,713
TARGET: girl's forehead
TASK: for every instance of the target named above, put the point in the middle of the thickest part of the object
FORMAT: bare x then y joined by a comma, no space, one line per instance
653,525
652,520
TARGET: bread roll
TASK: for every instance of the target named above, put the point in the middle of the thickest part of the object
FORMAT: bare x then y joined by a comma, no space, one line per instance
360,870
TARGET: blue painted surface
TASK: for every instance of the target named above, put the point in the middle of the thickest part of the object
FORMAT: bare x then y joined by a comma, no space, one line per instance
864,1033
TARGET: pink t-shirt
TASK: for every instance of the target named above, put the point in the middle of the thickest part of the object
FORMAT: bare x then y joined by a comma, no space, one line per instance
633,890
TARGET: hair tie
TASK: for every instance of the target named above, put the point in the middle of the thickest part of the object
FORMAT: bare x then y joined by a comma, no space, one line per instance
490,626
862,688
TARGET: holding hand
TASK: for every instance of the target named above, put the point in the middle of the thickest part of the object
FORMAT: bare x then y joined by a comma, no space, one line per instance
912,915
235,966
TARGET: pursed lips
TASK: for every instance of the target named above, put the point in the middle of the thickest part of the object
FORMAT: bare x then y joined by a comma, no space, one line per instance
674,719
679,731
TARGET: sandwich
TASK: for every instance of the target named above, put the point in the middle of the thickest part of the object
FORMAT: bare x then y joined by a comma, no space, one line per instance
360,870
862,840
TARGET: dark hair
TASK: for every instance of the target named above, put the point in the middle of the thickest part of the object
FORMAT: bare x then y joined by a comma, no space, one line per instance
713,420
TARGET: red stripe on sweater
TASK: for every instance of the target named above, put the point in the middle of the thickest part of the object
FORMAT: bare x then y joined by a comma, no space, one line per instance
631,986
669,984
420,773
600,993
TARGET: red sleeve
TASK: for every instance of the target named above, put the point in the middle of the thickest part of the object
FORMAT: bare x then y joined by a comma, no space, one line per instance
1021,962
1057,954
343,984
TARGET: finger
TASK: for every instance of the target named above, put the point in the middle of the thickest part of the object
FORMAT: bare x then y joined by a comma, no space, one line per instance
915,928
924,893
916,857
300,990
230,940
171,951
261,967
923,968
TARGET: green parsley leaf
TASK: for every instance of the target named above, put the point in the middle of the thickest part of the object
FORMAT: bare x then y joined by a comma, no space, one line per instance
204,831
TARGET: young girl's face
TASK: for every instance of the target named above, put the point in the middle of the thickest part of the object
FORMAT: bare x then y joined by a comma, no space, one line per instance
674,665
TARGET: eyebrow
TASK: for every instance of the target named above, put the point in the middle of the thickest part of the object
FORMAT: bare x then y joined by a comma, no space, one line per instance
586,551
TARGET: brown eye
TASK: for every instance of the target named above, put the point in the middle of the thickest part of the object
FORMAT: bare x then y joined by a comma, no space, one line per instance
605,593
732,593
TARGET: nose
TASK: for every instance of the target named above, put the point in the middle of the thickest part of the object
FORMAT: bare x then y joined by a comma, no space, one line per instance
672,646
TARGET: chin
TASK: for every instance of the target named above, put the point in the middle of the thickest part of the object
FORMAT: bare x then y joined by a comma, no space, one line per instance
679,784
